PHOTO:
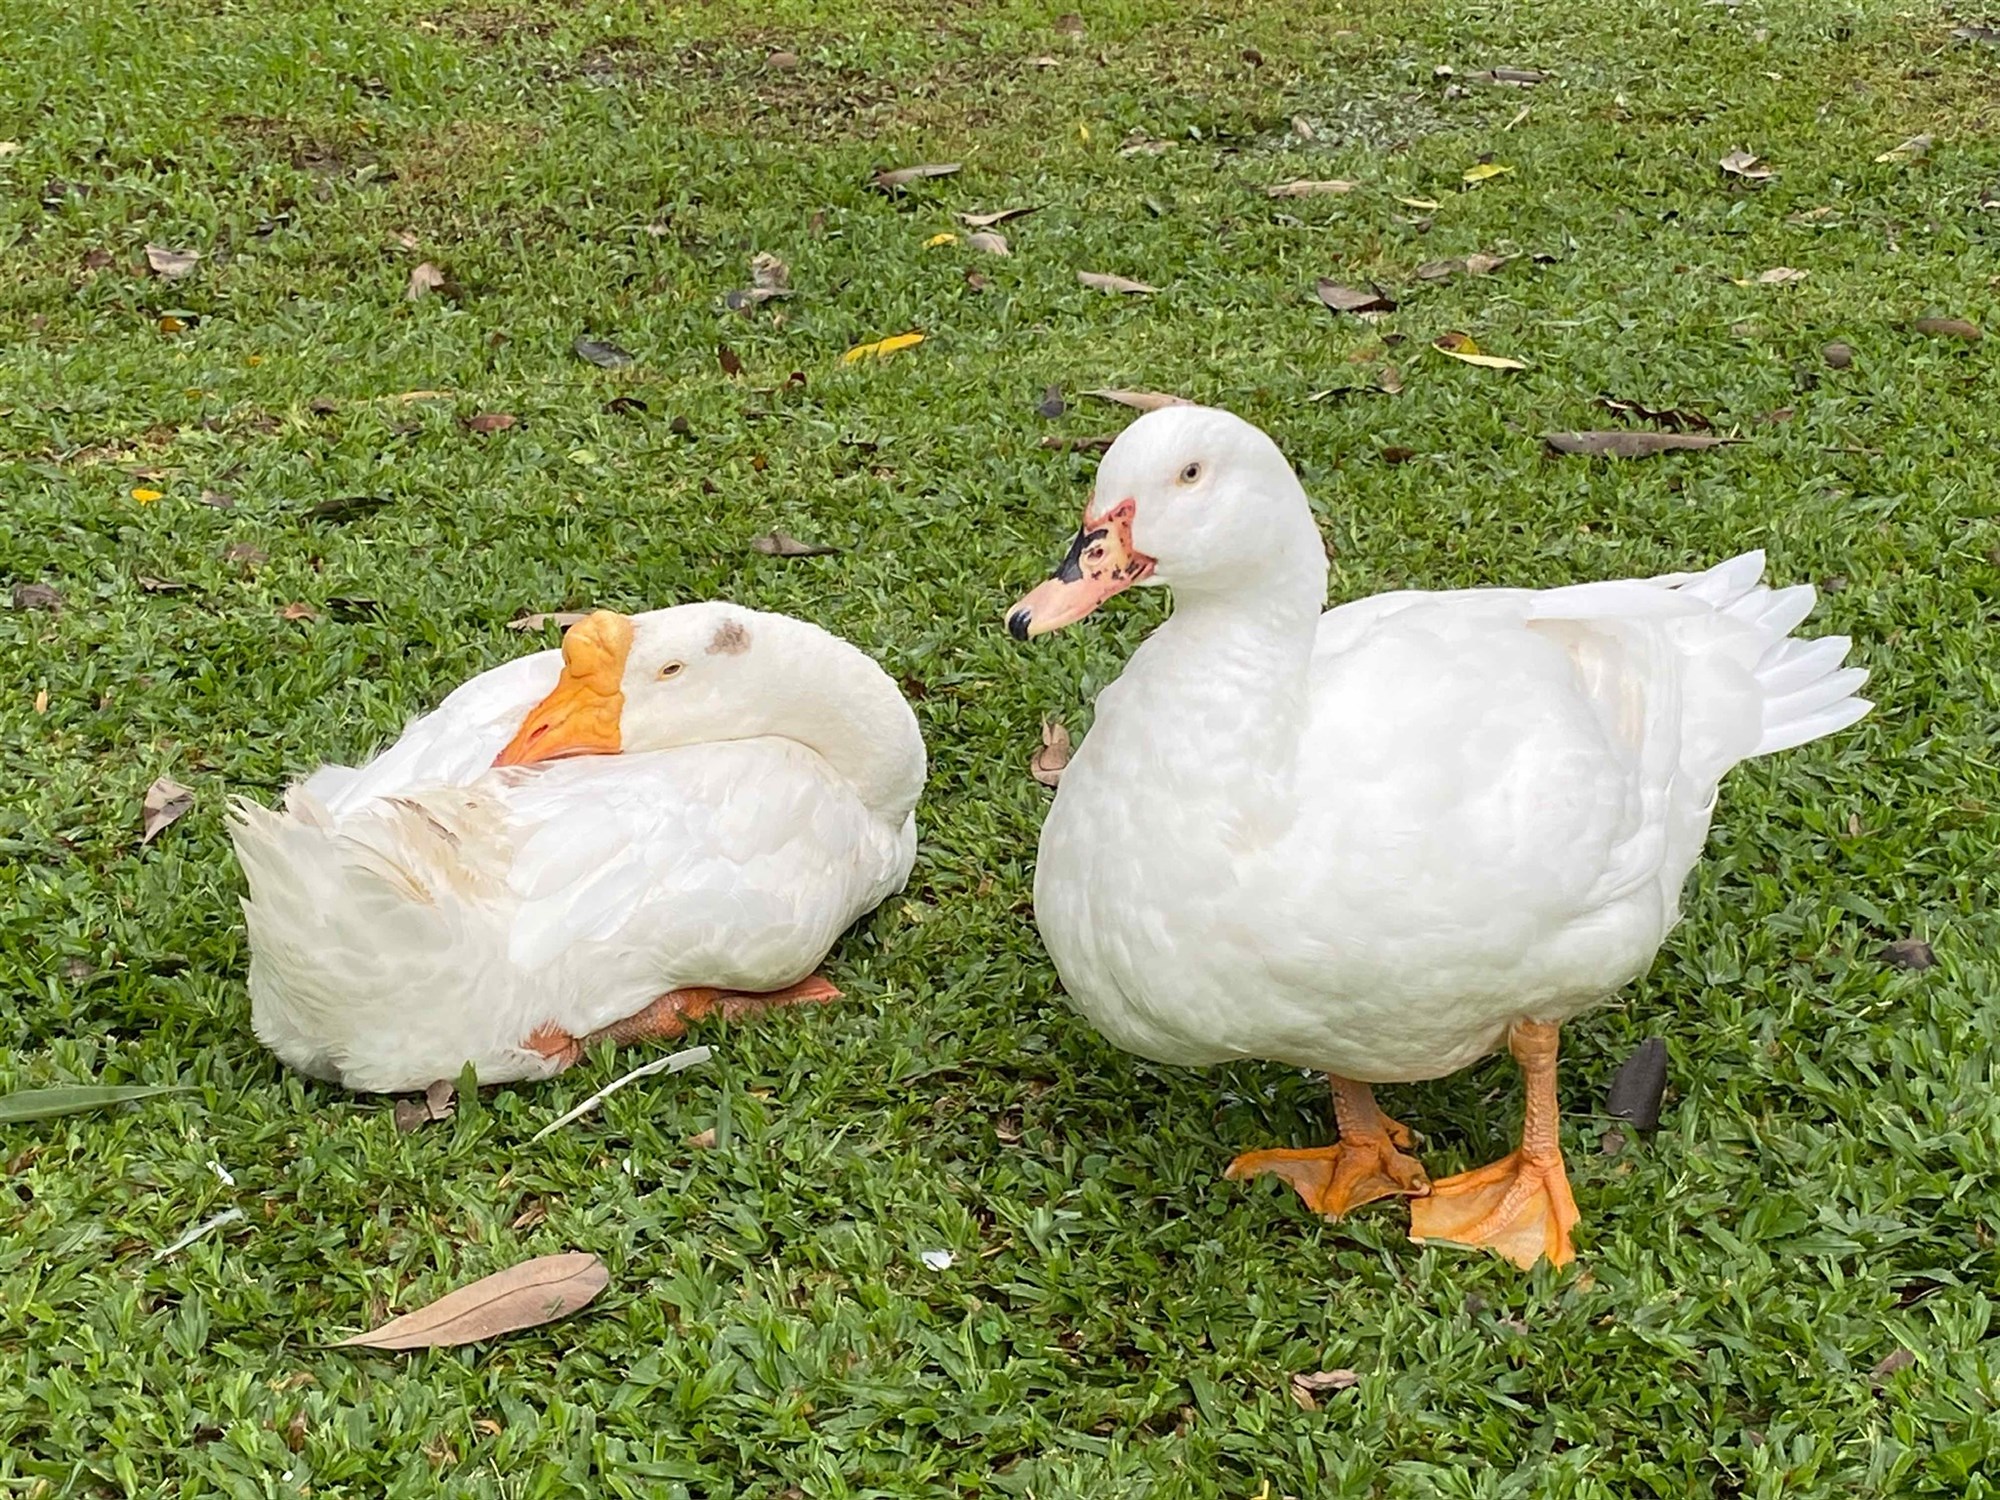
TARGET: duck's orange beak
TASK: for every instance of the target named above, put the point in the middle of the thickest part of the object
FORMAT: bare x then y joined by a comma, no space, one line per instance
1101,562
581,717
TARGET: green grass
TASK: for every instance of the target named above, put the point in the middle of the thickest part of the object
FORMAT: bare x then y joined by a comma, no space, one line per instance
1119,1321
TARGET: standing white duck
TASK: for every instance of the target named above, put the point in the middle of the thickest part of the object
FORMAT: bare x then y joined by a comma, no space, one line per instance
1382,841
679,811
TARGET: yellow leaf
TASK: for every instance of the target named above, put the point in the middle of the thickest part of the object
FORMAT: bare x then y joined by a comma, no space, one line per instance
145,496
171,324
941,239
1486,171
42,701
1082,131
1424,203
582,456
882,348
1460,346
253,360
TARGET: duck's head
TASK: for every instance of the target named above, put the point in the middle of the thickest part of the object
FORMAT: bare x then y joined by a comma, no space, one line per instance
1188,496
680,676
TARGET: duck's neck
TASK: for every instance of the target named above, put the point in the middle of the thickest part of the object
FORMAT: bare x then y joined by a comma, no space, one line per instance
849,713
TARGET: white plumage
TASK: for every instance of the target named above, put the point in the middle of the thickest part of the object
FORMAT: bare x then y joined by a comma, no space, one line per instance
430,909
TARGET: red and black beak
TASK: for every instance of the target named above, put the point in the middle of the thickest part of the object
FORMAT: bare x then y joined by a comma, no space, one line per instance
1101,562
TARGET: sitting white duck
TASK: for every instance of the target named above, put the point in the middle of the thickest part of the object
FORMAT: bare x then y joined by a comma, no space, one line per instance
678,812
1382,841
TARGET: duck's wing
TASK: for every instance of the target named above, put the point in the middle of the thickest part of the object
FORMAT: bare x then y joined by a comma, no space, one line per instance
453,745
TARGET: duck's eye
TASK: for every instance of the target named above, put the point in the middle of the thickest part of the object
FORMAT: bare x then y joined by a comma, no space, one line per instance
1191,473
672,669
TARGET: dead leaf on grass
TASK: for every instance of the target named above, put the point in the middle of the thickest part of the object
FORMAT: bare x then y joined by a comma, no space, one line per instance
1639,1086
1046,765
992,220
1460,346
1140,400
703,1140
1838,356
166,801
1776,276
602,353
1914,149
1890,1365
171,265
882,348
37,596
1052,404
1078,444
524,1296
1949,328
1622,443
1517,78
1138,143
1100,281
439,1102
564,618
782,62
426,279
1674,418
1352,299
154,585
1307,1388
1908,953
1477,264
247,553
1747,165
894,180
729,359
296,612
769,277
1310,188
987,242
490,421
346,508
1486,171
784,544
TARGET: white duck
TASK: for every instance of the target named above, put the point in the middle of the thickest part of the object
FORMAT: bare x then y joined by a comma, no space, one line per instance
1382,841
679,811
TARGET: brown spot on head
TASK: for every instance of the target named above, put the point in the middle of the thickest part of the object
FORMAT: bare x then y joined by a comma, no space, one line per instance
730,639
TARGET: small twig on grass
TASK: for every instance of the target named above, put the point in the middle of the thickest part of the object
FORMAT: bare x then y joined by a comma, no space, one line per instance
673,1063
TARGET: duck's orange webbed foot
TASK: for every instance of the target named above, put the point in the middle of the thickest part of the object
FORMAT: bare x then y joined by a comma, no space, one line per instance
1367,1162
1520,1206
668,1017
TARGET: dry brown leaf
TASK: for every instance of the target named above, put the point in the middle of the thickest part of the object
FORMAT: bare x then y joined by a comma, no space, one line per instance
427,278
171,265
1746,164
1519,78
1102,282
896,179
1391,382
1046,765
1911,150
703,1140
441,1099
784,544
154,585
490,421
769,277
564,618
989,221
409,1115
1949,328
298,612
1460,346
1138,143
1078,444
37,596
1141,400
602,353
1839,356
1479,263
1052,404
988,242
1890,1365
1352,299
782,62
1627,444
1309,188
1777,276
166,800
1306,1388
524,1296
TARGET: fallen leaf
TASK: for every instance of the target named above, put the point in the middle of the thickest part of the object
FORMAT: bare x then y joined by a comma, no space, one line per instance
219,499
1306,1388
1078,444
882,348
1890,1364
1611,1142
1099,281
298,612
1639,1086
490,421
624,406
171,265
296,1432
729,359
524,1296
97,259
564,618
166,801
1141,400
72,1098
1776,276
1839,356
1308,188
1046,765
769,277
247,553
602,353
1352,300
1069,23
1519,78
999,216
1746,164
537,1212
1486,171
782,62
426,279
947,238
346,508
1461,347
1987,34
1391,383
703,1140
1664,416
1908,953
154,585
1911,150
1949,328
975,281
1138,143
1397,454
441,1099
1477,264
988,243
410,1115
784,544
1426,204
42,701
1052,404
1623,443
894,181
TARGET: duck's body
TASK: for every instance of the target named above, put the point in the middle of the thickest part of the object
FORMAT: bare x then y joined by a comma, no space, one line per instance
432,909
1384,840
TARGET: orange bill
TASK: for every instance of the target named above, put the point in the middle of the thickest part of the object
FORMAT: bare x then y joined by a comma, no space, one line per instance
1101,562
581,717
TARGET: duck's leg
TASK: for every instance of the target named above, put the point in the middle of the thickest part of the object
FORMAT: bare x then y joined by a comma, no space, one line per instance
1369,1161
668,1017
1520,1206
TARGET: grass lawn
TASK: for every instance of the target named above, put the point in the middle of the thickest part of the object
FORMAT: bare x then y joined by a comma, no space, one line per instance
1788,1291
